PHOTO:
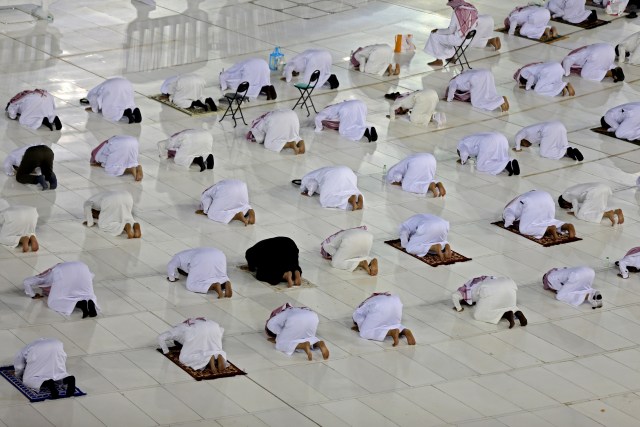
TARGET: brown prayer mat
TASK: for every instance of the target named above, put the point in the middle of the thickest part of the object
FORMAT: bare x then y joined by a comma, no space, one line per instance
432,260
584,25
517,34
204,374
282,286
190,111
545,241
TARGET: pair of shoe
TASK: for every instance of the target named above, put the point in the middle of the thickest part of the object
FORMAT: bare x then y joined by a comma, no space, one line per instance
56,123
513,167
88,308
134,116
371,135
575,154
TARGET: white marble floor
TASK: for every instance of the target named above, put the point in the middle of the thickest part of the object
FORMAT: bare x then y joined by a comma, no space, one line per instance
569,367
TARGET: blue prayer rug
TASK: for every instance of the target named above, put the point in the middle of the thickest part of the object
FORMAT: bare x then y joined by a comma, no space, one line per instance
8,373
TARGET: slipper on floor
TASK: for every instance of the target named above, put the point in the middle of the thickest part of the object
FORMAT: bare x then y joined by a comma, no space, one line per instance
84,101
296,182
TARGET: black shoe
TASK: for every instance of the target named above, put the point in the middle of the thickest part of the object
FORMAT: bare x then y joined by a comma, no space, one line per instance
47,123
129,115
51,386
593,17
516,167
367,134
393,96
137,116
210,161
578,154
53,181
632,15
374,134
509,168
42,182
211,104
57,123
521,318
84,306
70,382
570,153
200,162
92,309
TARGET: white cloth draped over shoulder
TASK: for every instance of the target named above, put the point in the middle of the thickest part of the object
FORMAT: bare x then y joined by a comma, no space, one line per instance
352,115
187,144
16,222
204,266
293,326
276,128
442,43
375,58
415,172
532,20
624,120
116,210
421,231
201,340
119,153
573,285
112,97
377,315
421,103
591,62
491,150
589,200
551,136
545,78
569,10
184,89
306,63
254,70
494,297
334,184
68,283
41,360
477,86
348,248
223,200
32,106
536,212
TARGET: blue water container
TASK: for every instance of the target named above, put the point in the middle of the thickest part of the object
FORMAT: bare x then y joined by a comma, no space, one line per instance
275,58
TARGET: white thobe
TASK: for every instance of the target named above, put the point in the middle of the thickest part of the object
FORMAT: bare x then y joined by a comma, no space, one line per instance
254,70
14,158
589,200
593,61
306,63
116,210
377,315
631,259
421,231
352,115
293,326
112,97
204,266
348,248
552,137
624,120
184,89
223,200
201,340
16,222
532,20
620,6
69,283
479,85
535,210
442,43
422,104
276,128
491,150
375,58
544,78
335,184
468,292
119,153
33,108
415,172
41,360
484,31
188,144
569,10
494,296
630,45
573,285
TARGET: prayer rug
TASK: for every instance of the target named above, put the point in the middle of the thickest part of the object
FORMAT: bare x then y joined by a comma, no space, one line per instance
549,41
204,374
432,260
583,25
190,111
604,131
282,286
545,241
33,395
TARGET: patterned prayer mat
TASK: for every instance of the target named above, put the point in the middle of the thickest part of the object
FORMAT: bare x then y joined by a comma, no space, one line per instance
517,34
190,111
545,241
432,260
583,25
205,374
33,395
282,286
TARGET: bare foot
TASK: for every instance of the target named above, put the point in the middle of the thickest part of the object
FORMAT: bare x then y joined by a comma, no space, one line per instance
570,89
353,201
441,189
288,278
355,328
436,63
409,336
139,173
505,105
301,147
297,278
447,252
200,212
128,230
546,35
251,216
389,70
396,183
617,211
240,217
373,267
395,334
434,189
24,242
360,202
212,365
38,296
218,288
89,109
34,243
137,231
570,229
554,32
496,43
365,266
306,347
271,339
222,364
323,349
611,216
228,290
553,232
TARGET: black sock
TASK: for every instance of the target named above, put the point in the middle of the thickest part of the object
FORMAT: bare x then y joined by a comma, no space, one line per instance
374,134
137,116
51,386
578,154
199,104
521,318
200,162
211,104
48,124
57,123
53,181
603,123
509,316
516,167
92,308
210,161
42,182
129,115
70,382
83,305
593,17
570,153
367,135
509,168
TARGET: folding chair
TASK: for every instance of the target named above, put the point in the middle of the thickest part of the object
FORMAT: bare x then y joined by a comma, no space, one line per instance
237,98
460,54
305,92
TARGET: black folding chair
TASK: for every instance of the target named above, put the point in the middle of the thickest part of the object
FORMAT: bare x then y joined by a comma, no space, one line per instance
305,92
237,98
459,54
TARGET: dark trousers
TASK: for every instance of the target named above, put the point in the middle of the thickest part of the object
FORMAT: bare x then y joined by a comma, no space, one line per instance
38,156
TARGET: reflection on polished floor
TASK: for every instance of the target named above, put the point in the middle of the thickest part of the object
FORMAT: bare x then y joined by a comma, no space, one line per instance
568,367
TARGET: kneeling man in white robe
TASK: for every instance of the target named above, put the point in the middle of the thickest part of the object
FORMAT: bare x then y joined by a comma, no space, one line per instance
484,33
255,71
535,213
114,212
190,146
187,91
572,11
349,118
350,249
42,364
294,328
629,263
417,174
306,63
336,185
201,341
593,62
380,316
628,49
18,226
479,88
424,234
114,98
623,120
419,106
590,202
226,201
67,285
205,268
491,150
34,108
118,155
545,78
494,299
552,138
573,285
532,21
277,129
375,59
